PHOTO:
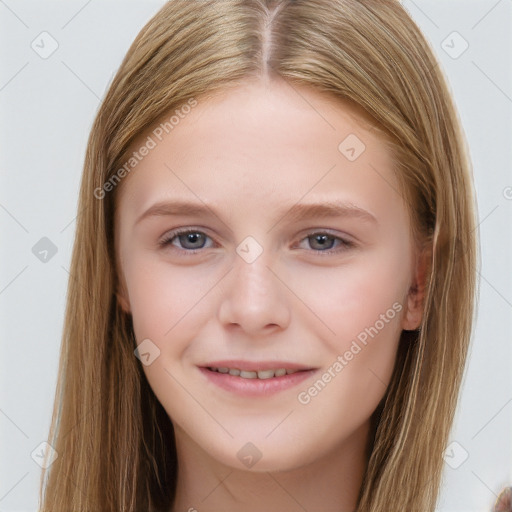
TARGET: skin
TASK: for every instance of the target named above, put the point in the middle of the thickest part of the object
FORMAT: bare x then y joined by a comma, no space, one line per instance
250,154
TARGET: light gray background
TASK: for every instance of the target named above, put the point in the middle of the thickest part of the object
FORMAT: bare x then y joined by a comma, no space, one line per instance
47,108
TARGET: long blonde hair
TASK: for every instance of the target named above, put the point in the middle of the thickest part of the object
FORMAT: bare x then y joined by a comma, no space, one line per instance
114,441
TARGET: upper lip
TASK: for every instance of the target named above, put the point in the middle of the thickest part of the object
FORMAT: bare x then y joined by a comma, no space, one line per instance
256,365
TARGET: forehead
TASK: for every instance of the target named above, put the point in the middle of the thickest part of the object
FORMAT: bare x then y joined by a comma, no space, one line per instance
262,140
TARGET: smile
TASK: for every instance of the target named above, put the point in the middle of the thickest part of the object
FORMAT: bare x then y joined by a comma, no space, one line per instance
252,382
254,374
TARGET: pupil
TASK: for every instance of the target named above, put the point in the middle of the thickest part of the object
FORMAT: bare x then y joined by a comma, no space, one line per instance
193,238
321,240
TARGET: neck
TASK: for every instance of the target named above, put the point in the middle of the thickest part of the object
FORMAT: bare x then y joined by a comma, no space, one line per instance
331,483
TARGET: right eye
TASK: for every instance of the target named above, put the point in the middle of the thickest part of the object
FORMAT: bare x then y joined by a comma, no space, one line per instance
189,240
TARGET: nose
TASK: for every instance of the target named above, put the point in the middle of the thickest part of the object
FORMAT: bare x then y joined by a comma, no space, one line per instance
254,300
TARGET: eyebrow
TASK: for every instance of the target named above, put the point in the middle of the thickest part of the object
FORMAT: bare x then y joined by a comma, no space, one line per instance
296,213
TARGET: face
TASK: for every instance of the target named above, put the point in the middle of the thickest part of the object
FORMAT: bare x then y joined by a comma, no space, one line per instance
278,242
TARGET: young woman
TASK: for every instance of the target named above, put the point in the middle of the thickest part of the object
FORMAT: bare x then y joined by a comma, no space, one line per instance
274,268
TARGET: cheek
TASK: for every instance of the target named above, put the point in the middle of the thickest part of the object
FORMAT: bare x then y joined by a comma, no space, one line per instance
362,306
166,299
352,297
360,357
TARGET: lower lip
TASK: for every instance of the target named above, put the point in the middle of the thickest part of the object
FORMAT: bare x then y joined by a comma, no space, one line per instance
256,387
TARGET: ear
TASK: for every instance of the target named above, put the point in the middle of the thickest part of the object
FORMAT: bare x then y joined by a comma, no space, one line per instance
122,297
417,291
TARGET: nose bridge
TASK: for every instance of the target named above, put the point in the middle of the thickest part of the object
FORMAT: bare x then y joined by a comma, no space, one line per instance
253,280
254,297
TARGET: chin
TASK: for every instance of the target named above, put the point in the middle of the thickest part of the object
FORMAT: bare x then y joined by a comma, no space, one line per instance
259,457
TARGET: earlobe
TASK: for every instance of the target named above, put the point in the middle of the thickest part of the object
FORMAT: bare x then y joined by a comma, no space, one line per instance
414,311
122,299
416,296
123,303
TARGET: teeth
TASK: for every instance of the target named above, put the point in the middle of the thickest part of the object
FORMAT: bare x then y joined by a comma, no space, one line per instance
265,374
248,375
260,374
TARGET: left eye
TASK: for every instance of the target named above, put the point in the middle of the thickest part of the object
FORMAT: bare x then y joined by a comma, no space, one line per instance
324,242
192,240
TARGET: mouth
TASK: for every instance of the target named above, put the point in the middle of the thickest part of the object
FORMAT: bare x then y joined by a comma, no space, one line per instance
255,379
254,374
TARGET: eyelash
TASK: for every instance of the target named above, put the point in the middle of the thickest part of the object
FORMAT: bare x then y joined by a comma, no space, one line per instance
166,241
